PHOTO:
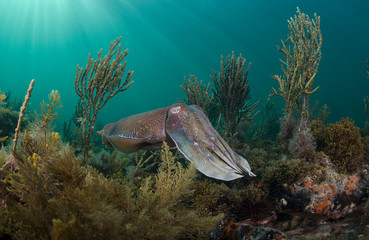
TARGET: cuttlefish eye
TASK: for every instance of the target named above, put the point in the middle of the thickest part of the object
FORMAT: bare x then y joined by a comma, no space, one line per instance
175,110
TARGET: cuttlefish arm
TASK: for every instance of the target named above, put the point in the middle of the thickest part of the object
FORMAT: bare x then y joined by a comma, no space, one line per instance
201,144
186,127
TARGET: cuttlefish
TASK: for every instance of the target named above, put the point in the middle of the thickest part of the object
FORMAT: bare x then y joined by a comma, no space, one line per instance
185,127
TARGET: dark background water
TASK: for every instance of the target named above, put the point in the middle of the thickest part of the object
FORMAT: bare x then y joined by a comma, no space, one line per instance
168,39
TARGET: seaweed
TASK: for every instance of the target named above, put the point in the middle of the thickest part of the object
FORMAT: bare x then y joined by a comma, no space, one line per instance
97,83
303,144
287,129
52,195
232,93
344,146
254,203
267,125
197,93
302,53
318,129
287,172
210,198
2,97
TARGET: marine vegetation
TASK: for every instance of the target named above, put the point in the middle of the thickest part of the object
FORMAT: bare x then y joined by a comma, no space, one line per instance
344,146
229,104
2,98
52,195
197,93
302,53
266,125
21,115
65,186
318,129
211,198
97,83
232,93
302,144
185,127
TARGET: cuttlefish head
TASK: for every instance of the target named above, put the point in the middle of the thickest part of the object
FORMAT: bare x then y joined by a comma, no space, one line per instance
201,144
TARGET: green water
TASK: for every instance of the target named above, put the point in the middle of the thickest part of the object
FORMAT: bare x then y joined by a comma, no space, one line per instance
167,40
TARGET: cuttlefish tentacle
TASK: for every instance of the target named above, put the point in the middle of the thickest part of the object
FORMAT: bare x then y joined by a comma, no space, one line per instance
186,127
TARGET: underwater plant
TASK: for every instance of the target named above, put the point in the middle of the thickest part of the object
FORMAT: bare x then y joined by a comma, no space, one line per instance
287,130
302,53
210,198
266,126
254,203
51,195
318,129
13,102
97,83
232,92
366,105
196,92
2,97
302,144
21,114
344,146
55,197
48,112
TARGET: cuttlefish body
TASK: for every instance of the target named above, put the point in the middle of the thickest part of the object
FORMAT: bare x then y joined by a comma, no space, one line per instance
185,127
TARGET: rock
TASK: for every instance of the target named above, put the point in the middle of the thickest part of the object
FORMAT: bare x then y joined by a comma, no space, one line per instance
244,231
335,197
